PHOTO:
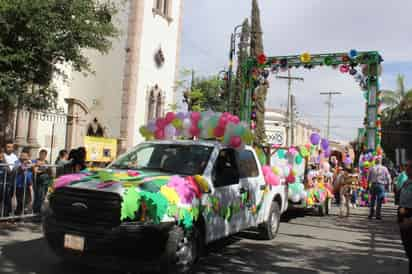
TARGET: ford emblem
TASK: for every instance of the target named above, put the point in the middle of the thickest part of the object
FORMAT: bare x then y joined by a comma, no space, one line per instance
80,205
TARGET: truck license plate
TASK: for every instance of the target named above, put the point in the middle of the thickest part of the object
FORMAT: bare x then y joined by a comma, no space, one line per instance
73,242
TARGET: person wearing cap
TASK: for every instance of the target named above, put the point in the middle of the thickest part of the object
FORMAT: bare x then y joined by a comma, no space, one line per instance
378,178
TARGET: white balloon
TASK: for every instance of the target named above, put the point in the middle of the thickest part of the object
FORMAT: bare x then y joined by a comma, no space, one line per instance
187,123
295,198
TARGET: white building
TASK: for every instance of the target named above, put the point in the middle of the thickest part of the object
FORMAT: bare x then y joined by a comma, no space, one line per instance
133,83
276,125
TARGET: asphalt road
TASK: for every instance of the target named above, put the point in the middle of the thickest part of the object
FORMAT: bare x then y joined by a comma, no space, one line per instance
305,245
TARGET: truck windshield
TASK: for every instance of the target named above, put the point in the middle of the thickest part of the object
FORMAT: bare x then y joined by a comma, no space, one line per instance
168,158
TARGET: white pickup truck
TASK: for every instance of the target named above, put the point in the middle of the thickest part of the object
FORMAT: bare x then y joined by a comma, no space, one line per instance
83,219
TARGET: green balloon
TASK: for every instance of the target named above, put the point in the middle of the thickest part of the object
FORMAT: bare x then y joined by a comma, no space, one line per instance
304,152
298,159
213,121
281,154
239,130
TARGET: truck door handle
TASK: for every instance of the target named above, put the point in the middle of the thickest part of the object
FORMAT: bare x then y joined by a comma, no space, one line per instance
242,190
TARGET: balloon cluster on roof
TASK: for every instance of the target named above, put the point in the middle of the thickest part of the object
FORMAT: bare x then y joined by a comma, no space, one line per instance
224,127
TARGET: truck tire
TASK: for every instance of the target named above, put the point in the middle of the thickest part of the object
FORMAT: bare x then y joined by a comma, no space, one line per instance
269,229
181,251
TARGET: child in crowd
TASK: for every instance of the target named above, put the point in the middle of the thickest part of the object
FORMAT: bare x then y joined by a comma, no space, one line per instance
24,180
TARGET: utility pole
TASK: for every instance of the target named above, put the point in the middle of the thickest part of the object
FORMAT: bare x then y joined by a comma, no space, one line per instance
289,112
330,106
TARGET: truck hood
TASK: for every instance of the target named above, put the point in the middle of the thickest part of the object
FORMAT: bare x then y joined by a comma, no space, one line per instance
116,186
162,197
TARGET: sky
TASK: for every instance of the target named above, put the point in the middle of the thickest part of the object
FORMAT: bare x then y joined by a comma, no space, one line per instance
315,26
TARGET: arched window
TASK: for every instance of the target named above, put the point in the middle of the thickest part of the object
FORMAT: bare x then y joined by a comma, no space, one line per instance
159,105
152,106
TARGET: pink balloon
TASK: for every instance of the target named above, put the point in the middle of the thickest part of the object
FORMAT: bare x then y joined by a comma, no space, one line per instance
195,116
219,131
170,116
160,134
160,123
292,151
290,179
266,170
222,121
194,131
234,119
235,141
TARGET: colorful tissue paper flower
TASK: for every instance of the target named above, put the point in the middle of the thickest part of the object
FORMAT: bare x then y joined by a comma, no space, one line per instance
65,180
183,188
261,59
202,183
170,194
195,186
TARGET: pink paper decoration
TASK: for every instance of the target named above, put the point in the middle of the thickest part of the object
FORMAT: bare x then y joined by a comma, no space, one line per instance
65,180
133,173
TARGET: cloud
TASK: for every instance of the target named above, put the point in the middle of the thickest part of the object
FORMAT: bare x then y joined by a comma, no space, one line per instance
317,26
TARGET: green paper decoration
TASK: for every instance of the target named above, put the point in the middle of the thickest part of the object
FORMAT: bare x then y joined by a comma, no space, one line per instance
106,176
187,219
156,205
130,204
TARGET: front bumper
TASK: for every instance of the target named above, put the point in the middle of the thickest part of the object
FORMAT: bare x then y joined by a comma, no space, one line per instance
125,246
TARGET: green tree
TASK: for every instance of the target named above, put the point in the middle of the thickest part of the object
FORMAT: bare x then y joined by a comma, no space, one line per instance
202,93
212,92
256,49
38,38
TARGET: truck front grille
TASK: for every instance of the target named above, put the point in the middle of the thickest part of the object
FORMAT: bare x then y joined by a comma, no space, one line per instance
86,207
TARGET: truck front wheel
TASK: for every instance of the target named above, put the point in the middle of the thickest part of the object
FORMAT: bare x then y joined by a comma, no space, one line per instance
182,250
269,229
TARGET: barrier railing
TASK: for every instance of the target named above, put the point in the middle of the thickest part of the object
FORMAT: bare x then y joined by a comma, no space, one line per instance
23,189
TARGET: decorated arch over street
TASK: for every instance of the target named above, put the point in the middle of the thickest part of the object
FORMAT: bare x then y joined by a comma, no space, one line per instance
364,67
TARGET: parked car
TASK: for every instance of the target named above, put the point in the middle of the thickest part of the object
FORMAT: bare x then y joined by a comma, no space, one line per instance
83,221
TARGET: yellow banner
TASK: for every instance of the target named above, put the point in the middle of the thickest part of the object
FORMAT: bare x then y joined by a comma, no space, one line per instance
100,149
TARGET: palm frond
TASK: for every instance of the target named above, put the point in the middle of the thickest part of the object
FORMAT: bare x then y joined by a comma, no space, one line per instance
390,98
400,84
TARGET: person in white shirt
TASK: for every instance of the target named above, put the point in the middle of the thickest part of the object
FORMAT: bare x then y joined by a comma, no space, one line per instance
9,156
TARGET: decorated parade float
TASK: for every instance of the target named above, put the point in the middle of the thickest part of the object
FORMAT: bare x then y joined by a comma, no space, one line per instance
194,180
